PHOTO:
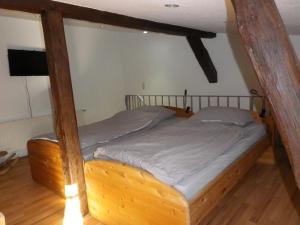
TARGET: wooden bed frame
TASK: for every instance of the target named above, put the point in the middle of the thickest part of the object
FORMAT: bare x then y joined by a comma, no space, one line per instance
121,194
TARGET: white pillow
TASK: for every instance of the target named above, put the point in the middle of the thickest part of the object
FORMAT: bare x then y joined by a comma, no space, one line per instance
239,117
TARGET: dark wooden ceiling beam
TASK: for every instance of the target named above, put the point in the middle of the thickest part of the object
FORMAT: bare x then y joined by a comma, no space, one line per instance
63,103
277,67
98,16
203,58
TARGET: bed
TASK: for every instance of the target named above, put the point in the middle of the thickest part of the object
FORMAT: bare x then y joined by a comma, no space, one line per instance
120,193
44,150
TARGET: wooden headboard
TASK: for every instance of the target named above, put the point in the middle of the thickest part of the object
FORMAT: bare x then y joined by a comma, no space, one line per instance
180,112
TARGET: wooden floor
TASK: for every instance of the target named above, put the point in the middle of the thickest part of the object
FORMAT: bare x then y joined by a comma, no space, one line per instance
266,196
262,198
24,202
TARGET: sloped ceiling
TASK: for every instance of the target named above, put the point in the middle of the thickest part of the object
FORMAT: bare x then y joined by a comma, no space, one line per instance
210,15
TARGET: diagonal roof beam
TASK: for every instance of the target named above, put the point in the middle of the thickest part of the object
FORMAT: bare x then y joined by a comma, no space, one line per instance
203,58
277,68
98,16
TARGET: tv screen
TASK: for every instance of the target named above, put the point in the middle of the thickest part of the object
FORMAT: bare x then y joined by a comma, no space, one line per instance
27,63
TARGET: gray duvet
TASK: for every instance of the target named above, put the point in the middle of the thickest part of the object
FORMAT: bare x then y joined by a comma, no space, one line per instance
121,124
174,152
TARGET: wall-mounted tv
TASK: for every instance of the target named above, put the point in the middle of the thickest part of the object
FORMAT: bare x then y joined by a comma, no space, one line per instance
27,63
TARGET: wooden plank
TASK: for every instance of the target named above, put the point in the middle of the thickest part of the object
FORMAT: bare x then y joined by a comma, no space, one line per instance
121,194
277,67
63,102
203,58
98,16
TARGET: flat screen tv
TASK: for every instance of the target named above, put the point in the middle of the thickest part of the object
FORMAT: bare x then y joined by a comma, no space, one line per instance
27,63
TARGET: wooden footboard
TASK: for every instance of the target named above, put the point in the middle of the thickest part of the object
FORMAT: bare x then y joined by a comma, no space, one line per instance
46,164
121,194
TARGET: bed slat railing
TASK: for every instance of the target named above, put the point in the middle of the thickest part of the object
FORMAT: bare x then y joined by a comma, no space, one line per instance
197,102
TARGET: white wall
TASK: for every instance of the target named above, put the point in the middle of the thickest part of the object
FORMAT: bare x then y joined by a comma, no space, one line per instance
96,76
17,33
105,65
97,71
296,44
166,65
13,100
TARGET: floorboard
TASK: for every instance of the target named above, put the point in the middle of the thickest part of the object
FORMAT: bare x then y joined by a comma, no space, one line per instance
25,202
266,196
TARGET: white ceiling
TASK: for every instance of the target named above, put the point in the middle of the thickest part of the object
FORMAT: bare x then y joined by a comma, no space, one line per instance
209,15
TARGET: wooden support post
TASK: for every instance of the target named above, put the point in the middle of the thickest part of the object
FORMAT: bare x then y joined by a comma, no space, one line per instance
203,58
63,102
277,67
